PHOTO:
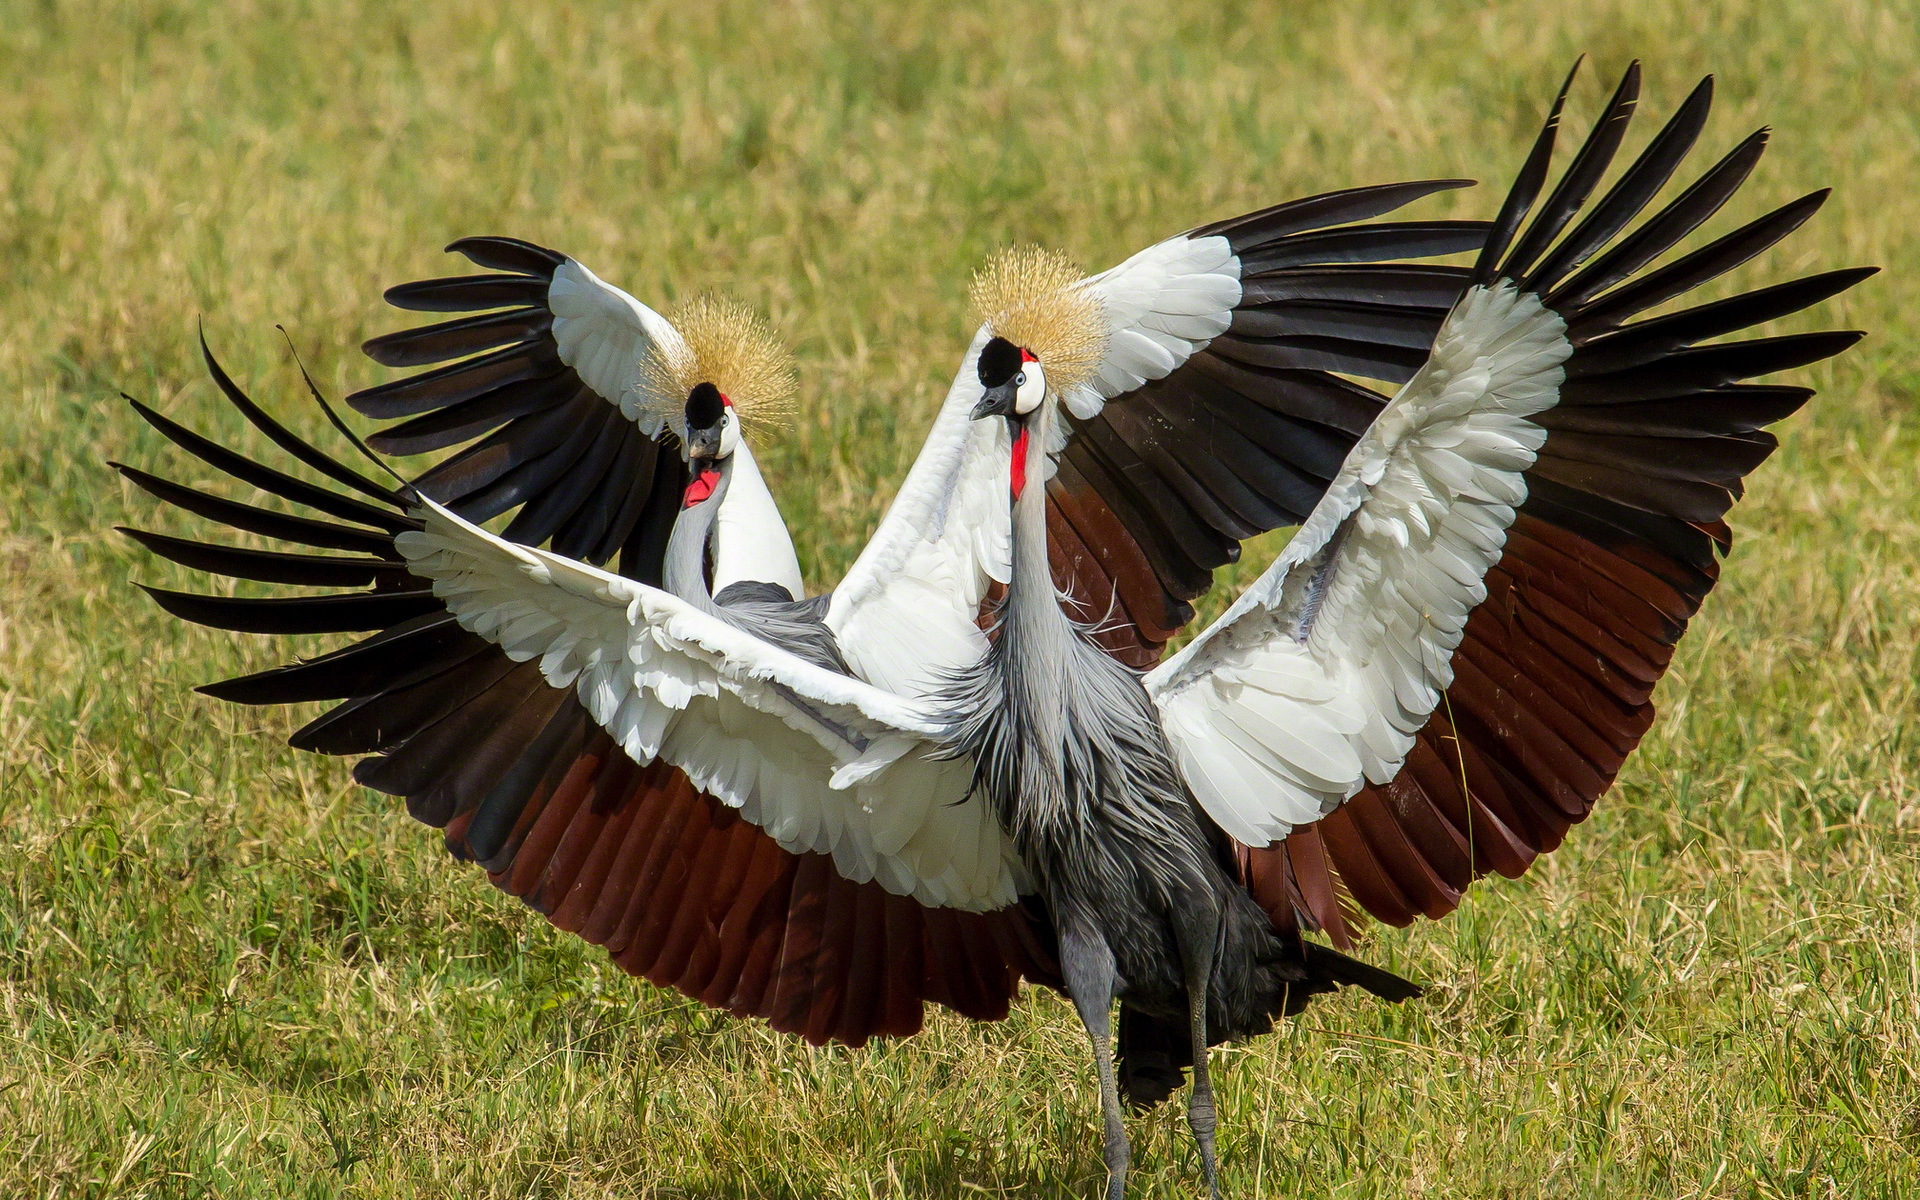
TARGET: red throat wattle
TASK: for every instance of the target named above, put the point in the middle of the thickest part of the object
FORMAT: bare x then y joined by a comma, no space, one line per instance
1019,474
700,487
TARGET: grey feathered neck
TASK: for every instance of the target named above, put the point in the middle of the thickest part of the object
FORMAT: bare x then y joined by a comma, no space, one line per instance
762,609
686,561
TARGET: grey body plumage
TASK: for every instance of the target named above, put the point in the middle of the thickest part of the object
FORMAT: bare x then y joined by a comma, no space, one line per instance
770,612
1069,751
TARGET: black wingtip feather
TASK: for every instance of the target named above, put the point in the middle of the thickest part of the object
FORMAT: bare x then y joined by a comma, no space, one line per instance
1315,212
1577,182
1632,192
353,612
299,530
1686,273
1364,244
470,419
1663,335
508,254
1700,368
396,657
333,417
1526,188
1661,232
468,293
266,566
445,341
516,364
270,480
283,437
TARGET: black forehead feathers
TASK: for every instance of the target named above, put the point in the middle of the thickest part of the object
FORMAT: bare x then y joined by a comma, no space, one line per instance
999,362
704,406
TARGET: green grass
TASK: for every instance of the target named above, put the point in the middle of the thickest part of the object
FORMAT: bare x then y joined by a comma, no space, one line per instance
226,971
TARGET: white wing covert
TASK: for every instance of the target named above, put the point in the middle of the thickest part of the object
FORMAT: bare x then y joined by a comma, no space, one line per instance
604,334
1162,305
1316,680
823,762
906,615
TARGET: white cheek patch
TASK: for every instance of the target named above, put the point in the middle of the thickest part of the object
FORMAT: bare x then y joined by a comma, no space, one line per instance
1030,388
729,434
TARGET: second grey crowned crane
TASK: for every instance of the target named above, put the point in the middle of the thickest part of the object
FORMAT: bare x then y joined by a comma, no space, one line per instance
763,609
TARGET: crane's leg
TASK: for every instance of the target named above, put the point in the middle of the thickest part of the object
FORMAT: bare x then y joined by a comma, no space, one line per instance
1196,928
1087,965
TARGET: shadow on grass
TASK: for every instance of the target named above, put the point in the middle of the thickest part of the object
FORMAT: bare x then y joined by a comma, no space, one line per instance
947,1173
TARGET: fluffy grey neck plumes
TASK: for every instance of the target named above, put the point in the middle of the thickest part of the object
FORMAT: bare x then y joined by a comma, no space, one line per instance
1064,737
1068,748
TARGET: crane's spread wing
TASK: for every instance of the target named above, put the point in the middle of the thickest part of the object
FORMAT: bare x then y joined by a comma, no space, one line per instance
1455,654
547,377
1215,414
800,750
674,883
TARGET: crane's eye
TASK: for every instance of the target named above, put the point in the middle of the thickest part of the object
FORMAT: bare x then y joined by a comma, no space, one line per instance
1020,380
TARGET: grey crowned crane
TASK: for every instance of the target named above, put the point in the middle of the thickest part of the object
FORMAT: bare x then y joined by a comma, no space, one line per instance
552,374
761,910
523,781
1528,524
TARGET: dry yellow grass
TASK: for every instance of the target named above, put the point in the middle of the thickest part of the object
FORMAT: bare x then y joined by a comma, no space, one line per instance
225,971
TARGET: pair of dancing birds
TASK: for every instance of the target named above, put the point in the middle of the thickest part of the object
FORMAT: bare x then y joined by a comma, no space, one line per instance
970,763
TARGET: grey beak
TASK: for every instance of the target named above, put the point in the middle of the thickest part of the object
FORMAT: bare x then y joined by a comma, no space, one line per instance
703,443
997,402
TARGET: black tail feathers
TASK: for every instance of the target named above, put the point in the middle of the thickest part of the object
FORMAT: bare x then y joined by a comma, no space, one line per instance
1155,1052
1326,963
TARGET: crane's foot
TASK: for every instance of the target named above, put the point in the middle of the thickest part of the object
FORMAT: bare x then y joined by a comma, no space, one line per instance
1200,1119
1117,1154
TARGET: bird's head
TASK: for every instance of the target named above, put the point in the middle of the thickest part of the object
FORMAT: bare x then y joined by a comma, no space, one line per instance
722,375
1047,332
712,435
1014,380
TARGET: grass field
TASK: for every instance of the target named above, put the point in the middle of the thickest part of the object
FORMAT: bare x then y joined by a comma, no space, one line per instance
226,971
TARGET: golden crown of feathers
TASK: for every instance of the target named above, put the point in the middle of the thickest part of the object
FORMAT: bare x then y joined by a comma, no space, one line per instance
1037,299
726,344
